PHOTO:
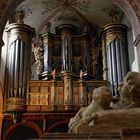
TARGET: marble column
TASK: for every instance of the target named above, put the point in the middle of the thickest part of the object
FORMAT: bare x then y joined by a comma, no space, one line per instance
20,37
116,49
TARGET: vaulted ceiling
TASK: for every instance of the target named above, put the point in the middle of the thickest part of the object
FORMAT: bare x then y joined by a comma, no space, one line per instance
78,12
95,14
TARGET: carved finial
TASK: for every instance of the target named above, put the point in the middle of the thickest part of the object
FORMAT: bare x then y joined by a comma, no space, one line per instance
114,13
82,74
21,13
54,74
19,16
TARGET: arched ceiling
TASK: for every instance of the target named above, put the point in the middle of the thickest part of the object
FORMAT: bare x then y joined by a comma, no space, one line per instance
78,12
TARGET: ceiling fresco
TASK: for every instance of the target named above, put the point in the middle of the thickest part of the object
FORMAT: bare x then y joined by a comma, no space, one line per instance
78,12
82,5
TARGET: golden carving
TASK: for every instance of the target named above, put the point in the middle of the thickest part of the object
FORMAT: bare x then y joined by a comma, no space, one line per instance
112,36
20,15
42,99
21,31
114,31
94,57
38,99
16,104
38,53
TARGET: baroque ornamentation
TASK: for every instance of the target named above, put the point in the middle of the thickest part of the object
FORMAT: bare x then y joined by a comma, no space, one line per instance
114,13
38,53
94,57
21,13
19,16
111,37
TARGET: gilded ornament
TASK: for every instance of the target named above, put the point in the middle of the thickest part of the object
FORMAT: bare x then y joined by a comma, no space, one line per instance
38,53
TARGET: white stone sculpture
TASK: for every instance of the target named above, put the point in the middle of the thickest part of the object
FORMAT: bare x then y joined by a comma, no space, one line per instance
100,101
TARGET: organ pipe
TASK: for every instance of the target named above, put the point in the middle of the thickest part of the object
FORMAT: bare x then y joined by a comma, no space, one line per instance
115,38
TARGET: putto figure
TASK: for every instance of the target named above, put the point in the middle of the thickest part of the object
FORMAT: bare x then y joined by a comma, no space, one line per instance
82,74
101,100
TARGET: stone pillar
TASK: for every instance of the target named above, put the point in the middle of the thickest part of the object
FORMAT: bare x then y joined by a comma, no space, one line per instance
68,90
20,37
82,93
115,38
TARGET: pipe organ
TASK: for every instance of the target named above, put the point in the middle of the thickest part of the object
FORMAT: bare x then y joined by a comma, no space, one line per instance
69,66
67,51
18,74
115,54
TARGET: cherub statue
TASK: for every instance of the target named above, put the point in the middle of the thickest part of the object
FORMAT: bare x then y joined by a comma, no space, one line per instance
101,100
82,74
53,74
19,16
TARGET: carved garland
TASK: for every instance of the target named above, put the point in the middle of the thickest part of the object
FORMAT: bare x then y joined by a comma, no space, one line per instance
111,37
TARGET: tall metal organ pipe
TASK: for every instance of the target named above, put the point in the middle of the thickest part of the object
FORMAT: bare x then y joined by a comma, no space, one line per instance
20,37
115,38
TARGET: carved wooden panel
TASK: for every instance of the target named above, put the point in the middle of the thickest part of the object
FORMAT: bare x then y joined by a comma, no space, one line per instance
51,94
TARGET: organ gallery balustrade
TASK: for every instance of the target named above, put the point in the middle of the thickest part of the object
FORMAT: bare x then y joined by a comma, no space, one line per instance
42,93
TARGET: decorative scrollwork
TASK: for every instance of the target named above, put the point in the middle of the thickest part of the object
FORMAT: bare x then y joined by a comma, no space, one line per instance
111,37
38,53
94,57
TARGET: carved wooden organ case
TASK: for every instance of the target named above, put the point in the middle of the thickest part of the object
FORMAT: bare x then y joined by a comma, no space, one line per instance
67,66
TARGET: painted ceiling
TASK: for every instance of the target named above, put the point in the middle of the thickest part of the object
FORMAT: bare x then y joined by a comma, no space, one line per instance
78,12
